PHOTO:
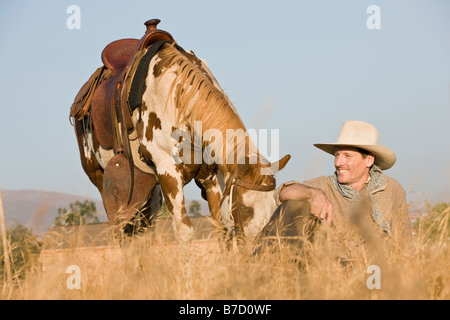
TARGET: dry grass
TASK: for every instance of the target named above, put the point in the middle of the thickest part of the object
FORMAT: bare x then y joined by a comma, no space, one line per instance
150,269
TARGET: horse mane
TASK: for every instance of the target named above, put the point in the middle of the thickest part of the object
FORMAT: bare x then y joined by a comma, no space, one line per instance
196,98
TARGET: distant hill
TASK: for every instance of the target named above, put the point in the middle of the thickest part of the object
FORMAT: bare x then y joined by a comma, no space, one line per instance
38,209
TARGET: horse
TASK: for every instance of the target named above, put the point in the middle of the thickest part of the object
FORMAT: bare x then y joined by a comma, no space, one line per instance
184,129
183,101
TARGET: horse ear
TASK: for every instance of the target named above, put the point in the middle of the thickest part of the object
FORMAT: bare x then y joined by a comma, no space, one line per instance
283,161
275,166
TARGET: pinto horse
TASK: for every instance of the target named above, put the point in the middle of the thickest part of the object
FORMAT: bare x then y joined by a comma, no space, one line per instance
181,132
183,100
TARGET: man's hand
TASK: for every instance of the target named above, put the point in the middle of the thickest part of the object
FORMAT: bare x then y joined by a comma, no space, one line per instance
321,207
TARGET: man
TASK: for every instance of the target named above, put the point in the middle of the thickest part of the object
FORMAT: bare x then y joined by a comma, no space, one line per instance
358,202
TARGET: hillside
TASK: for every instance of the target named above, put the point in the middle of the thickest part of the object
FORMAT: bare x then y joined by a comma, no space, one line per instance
37,209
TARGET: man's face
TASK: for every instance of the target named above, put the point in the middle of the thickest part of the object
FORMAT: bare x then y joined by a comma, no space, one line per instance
352,167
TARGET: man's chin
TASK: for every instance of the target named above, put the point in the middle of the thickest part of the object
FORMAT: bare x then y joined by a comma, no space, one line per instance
342,181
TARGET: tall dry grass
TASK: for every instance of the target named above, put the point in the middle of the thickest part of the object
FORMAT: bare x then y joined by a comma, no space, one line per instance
149,268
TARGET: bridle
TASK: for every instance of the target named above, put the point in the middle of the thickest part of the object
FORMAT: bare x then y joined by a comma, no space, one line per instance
234,210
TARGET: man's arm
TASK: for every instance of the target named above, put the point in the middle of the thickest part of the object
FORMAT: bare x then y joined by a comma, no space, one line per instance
321,207
401,222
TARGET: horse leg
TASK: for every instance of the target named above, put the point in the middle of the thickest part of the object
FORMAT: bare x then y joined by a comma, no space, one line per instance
172,189
87,156
212,192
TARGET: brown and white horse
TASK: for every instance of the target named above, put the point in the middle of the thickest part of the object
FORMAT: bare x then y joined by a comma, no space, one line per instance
189,129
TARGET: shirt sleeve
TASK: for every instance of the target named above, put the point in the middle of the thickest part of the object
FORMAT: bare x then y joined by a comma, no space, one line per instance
402,229
276,195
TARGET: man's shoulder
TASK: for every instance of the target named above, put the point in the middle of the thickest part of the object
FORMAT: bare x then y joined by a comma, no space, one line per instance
394,187
393,183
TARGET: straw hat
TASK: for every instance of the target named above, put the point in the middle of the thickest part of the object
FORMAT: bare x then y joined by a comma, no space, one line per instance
365,136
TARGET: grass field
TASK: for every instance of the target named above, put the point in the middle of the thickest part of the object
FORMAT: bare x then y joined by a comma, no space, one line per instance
149,268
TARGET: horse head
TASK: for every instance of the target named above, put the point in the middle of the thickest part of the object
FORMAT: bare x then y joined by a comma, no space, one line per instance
248,201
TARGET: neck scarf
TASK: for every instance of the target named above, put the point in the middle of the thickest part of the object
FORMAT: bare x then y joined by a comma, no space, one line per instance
377,180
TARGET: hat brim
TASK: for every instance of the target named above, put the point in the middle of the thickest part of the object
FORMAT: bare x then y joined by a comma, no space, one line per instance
384,157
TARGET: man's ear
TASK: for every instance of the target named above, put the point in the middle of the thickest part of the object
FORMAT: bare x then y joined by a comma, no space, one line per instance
370,159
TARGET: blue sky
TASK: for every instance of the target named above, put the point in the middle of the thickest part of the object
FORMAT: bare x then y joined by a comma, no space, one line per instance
302,67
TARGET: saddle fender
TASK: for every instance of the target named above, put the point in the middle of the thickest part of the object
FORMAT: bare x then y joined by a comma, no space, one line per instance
117,186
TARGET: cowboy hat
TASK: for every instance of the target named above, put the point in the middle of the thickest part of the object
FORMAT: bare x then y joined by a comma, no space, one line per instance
363,135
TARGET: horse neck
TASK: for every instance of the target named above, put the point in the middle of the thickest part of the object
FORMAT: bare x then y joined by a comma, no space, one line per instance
225,140
203,107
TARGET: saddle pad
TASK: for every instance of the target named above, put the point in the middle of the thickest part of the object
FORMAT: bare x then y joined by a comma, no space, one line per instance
137,86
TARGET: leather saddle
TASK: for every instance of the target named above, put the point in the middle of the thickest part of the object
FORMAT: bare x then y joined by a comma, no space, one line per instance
103,100
120,59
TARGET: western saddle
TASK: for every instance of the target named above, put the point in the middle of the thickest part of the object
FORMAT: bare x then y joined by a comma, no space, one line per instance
103,103
120,59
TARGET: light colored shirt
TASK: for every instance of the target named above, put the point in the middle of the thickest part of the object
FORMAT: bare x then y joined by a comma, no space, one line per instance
352,225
